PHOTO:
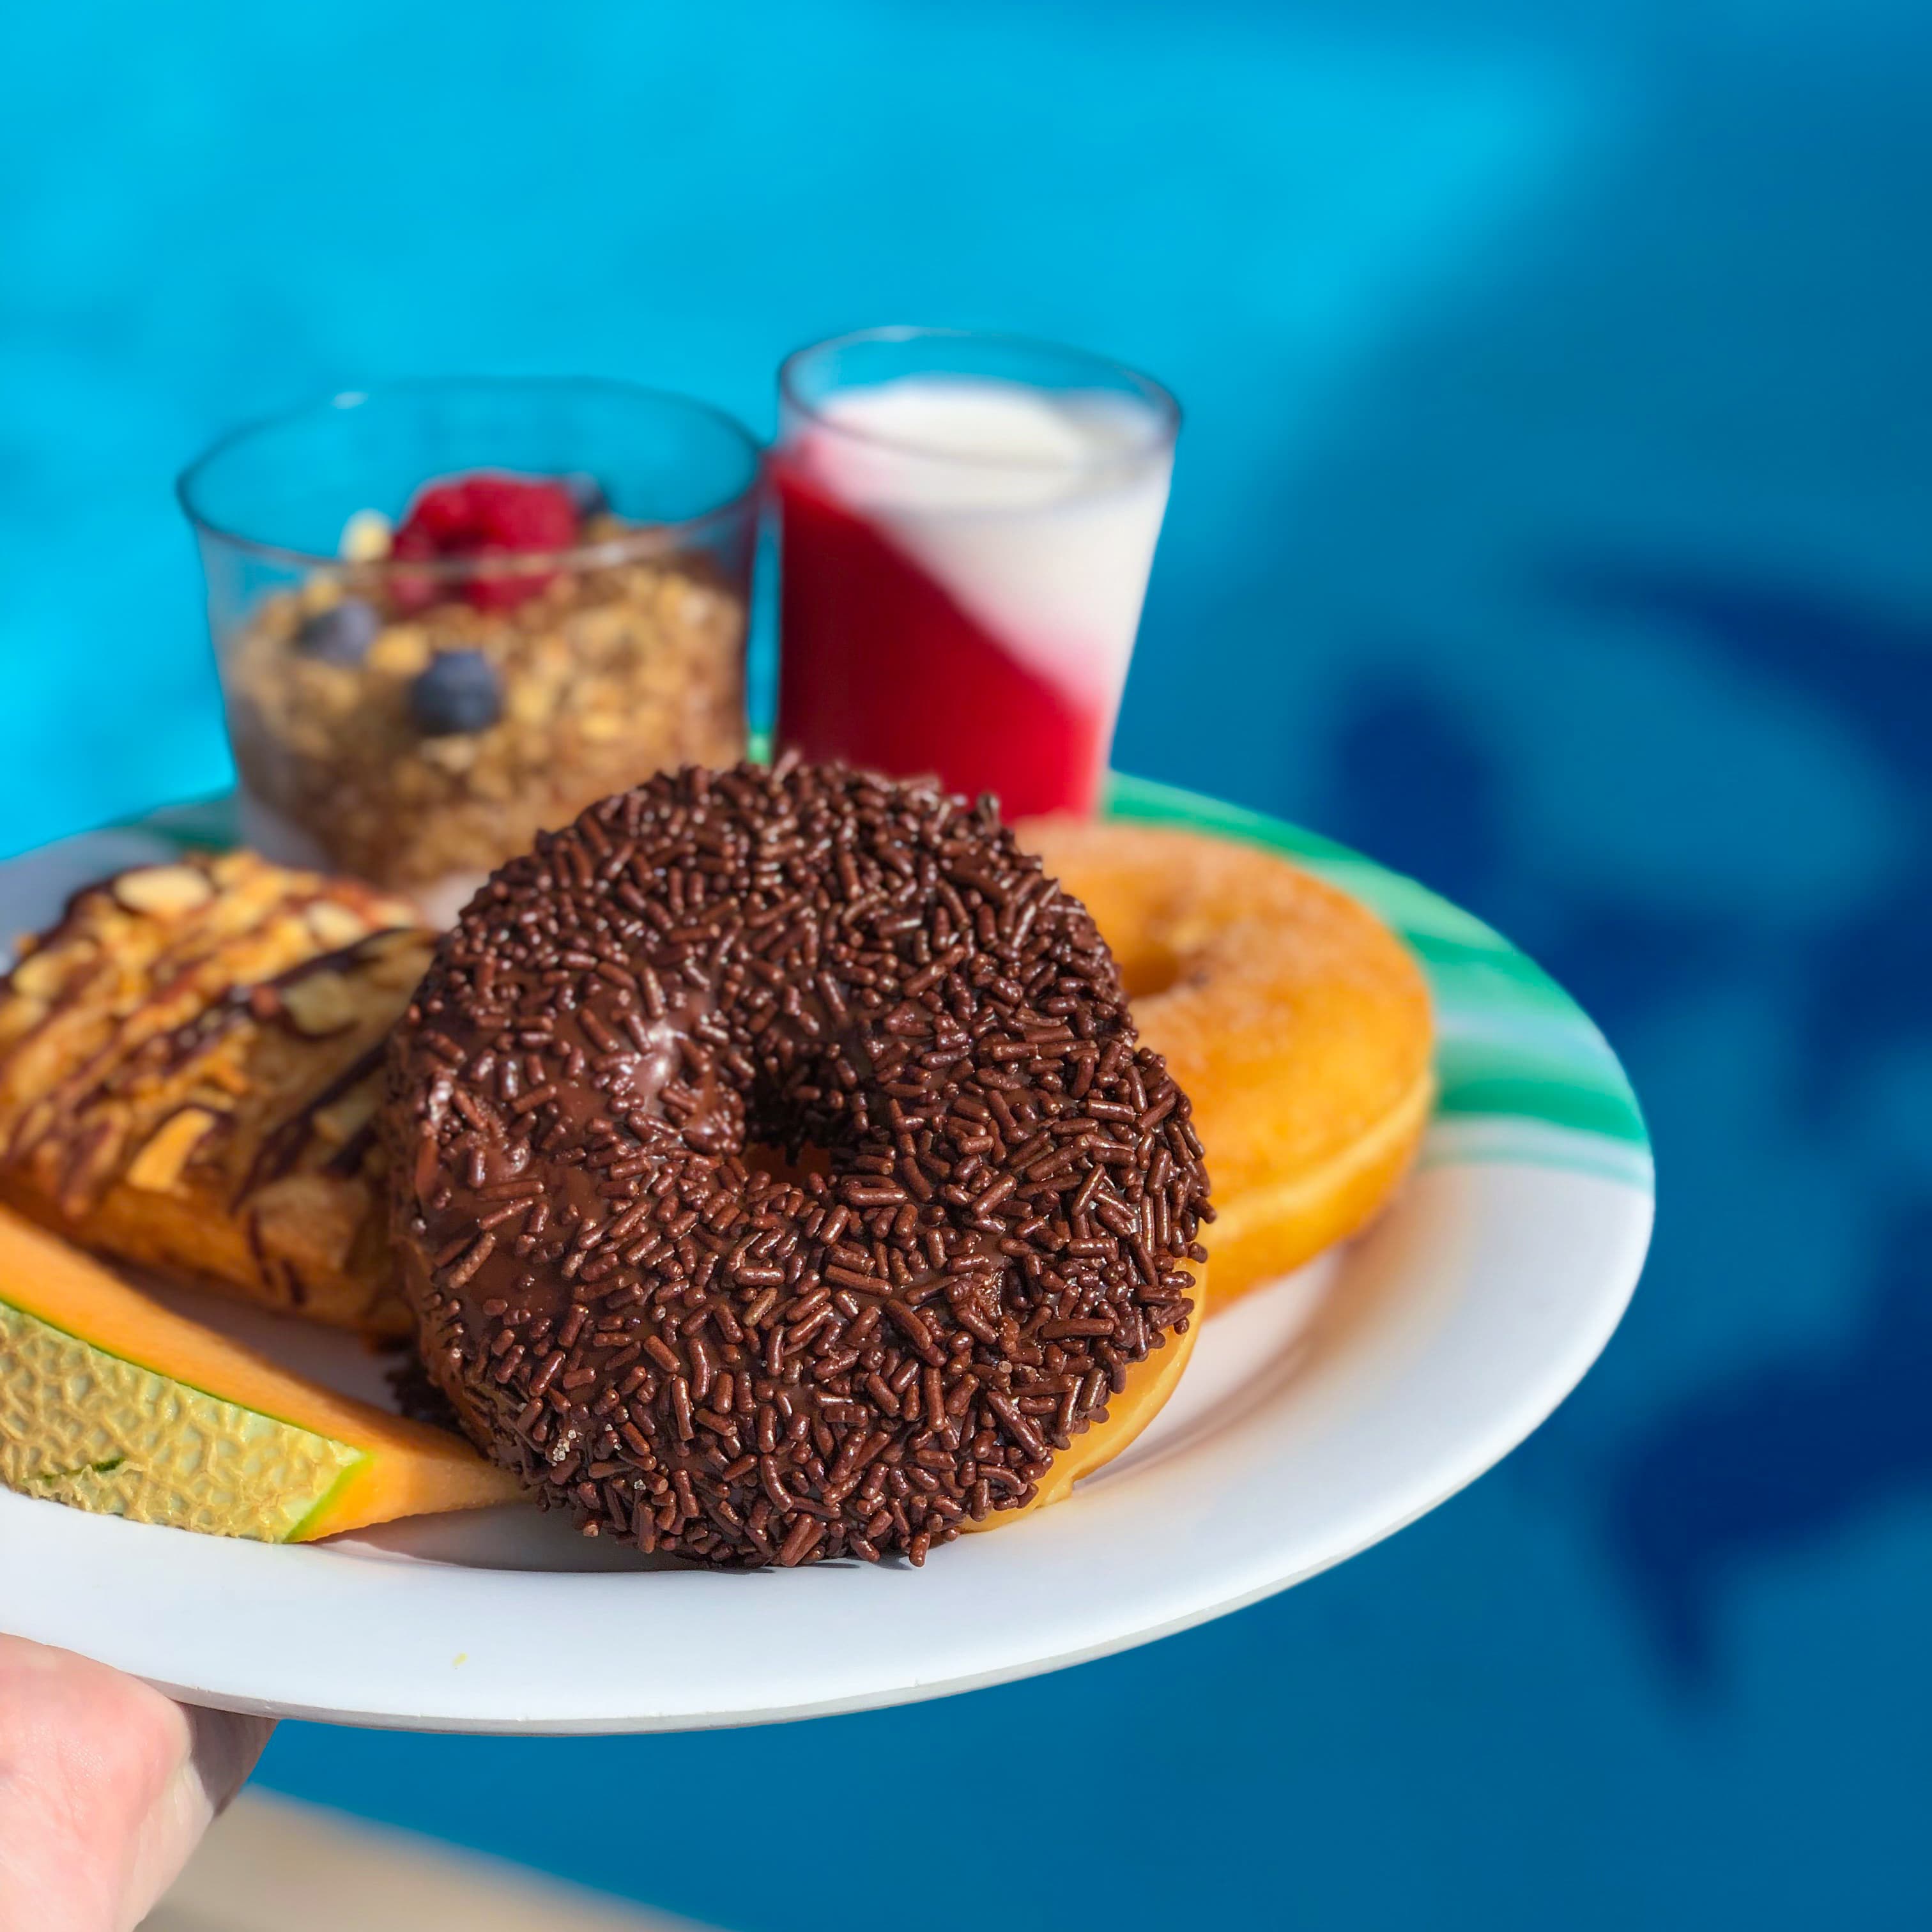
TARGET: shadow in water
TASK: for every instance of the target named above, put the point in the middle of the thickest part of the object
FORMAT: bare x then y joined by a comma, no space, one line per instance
1414,786
1867,978
1796,1447
1785,1455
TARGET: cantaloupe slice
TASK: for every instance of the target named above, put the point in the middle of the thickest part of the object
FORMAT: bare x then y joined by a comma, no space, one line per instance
1149,1383
111,1402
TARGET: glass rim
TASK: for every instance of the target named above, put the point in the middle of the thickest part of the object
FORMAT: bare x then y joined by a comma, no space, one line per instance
1166,407
643,539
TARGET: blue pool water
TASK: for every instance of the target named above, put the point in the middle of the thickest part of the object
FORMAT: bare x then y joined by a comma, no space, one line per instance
1551,520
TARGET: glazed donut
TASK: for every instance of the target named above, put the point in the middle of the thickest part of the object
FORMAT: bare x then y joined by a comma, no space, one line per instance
1296,1022
722,1361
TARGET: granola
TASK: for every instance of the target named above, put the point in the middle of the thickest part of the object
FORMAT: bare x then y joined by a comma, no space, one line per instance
419,743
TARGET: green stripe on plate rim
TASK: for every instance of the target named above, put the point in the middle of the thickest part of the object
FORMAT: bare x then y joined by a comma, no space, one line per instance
1524,1077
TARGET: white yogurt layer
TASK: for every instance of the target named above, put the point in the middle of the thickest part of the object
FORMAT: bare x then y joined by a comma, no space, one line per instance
1037,510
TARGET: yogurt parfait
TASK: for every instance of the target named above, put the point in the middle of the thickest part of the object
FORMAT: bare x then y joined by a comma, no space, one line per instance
449,617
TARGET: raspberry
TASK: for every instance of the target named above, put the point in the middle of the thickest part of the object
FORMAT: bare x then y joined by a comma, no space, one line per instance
483,515
443,514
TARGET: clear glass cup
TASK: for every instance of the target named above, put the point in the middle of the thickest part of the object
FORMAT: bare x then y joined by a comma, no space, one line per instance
412,698
968,521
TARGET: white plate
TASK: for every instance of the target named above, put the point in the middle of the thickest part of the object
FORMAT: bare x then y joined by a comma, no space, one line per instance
1317,1416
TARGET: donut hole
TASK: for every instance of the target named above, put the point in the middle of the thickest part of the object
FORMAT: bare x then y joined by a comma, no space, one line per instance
763,1157
1170,958
1150,970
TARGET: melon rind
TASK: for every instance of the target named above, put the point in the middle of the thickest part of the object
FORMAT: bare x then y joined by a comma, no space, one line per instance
80,1426
111,1402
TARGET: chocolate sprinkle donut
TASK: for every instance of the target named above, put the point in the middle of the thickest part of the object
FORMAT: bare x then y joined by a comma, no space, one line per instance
724,1362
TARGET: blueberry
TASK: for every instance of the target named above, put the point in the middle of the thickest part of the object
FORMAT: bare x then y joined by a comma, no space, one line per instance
587,495
458,692
341,635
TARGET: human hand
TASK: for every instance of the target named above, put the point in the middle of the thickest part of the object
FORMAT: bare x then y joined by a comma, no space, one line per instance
106,1786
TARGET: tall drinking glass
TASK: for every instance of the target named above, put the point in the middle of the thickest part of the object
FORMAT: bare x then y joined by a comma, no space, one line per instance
967,522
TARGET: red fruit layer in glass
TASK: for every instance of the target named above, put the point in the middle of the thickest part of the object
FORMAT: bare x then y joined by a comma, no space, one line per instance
880,666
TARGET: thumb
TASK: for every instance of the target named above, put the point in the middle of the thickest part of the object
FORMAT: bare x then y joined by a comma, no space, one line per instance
106,1785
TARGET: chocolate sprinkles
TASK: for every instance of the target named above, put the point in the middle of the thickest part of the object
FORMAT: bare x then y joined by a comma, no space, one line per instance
971,1196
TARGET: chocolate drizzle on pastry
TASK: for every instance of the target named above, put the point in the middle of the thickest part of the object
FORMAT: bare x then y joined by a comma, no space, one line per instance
712,1360
190,1063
